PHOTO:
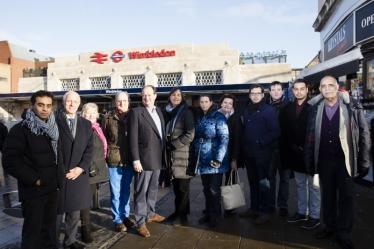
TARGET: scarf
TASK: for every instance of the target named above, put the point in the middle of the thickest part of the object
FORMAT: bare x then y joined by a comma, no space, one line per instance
39,127
276,102
252,107
172,113
96,128
123,117
227,115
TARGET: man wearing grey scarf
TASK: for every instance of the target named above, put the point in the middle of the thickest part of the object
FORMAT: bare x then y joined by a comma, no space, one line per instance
30,155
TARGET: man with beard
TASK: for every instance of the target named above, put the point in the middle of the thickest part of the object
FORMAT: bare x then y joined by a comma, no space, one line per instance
30,155
293,120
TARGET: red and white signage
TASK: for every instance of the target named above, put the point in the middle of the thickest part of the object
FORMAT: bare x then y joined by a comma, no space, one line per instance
118,55
151,54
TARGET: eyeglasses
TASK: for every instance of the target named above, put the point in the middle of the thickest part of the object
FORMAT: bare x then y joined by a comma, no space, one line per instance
255,94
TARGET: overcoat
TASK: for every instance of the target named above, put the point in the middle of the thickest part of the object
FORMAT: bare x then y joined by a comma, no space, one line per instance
75,194
98,170
236,129
29,157
145,142
293,135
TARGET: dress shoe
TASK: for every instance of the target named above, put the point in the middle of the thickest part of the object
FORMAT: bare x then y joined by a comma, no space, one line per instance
204,219
156,218
323,234
296,217
345,243
213,223
120,227
75,245
310,223
262,218
283,211
143,231
249,212
86,234
128,222
172,217
179,220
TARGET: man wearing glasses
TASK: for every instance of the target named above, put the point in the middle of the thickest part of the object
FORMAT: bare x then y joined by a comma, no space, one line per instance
261,128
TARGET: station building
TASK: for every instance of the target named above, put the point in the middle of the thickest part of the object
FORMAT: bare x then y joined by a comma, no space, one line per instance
98,75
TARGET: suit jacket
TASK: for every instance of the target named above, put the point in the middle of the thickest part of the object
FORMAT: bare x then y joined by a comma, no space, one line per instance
145,141
75,194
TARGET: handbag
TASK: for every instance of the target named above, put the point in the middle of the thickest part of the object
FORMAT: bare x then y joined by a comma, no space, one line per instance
233,194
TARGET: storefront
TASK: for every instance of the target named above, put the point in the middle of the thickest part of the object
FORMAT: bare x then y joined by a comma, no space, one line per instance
347,53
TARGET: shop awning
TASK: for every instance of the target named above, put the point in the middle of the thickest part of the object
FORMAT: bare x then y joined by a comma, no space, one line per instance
341,65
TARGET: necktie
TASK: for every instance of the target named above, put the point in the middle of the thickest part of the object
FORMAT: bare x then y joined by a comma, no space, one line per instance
71,122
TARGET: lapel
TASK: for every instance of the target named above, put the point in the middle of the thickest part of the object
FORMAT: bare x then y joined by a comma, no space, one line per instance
64,126
149,119
159,112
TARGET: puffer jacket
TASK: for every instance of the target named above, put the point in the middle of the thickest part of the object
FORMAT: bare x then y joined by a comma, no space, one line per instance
179,154
116,137
212,134
360,159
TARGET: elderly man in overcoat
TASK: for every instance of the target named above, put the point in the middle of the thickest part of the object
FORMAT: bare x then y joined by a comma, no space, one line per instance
146,133
338,148
77,145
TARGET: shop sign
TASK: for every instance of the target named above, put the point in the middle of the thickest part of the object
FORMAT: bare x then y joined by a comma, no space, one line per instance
365,22
100,58
151,54
340,41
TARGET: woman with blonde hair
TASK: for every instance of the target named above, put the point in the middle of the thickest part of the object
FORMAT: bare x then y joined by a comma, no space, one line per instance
98,171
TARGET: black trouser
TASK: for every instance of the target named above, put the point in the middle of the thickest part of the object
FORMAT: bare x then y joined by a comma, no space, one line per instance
181,189
337,211
40,219
212,190
85,213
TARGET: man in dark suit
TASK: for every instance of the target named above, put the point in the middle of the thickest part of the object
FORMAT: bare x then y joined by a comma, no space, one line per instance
146,133
77,145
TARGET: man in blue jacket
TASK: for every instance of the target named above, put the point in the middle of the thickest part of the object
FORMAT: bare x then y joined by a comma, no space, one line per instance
261,129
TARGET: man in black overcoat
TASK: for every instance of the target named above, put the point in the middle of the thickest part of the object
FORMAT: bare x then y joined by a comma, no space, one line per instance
146,131
31,155
293,120
77,146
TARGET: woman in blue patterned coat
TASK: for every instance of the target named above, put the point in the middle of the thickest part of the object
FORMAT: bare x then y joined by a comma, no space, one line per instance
211,140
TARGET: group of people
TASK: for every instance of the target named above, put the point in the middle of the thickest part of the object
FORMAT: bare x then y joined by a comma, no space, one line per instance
60,161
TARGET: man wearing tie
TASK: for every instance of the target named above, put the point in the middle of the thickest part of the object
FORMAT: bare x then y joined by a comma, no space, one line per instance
77,145
146,133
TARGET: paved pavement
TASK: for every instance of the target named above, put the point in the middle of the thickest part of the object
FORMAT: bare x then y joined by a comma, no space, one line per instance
231,232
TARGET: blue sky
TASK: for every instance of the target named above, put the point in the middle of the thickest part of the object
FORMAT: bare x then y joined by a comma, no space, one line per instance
60,28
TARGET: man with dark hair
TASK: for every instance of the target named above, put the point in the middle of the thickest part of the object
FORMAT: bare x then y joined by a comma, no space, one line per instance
293,120
31,156
278,101
338,149
146,131
261,129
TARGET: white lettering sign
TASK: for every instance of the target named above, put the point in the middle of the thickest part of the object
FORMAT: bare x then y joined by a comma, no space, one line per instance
367,21
337,38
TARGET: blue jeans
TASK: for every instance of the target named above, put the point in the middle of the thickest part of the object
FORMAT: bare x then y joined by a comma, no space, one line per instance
120,179
212,191
284,178
258,177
